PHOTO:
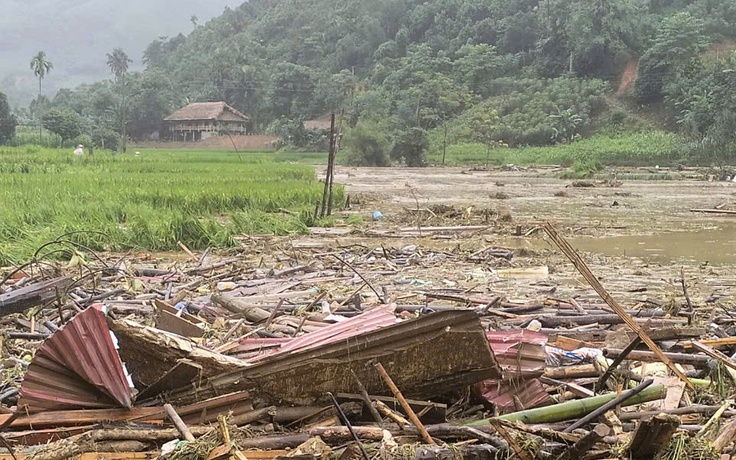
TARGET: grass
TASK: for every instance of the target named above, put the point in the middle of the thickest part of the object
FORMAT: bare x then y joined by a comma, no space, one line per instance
630,149
150,202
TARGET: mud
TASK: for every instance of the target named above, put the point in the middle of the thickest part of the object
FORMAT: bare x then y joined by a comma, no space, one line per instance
638,236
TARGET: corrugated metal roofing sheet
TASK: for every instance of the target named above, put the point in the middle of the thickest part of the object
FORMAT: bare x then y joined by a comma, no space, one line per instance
76,368
366,322
530,393
520,353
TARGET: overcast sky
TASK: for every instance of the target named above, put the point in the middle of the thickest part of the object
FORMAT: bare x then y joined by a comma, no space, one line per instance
77,34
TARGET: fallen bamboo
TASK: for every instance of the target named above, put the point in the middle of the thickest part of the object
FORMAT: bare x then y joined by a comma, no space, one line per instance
584,270
626,395
575,409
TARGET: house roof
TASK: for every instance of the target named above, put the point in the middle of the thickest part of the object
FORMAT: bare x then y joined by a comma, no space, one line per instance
203,111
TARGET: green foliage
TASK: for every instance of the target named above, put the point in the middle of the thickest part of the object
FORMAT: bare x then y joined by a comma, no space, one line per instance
631,149
529,111
149,202
8,121
437,65
367,145
294,133
678,41
66,123
409,145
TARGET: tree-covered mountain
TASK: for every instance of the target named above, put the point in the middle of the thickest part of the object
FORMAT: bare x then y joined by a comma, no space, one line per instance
515,72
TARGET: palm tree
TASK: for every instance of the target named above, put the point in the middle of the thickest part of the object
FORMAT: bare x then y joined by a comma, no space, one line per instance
41,67
118,62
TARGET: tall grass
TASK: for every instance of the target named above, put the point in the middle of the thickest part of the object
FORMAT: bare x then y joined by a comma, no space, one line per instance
150,202
630,149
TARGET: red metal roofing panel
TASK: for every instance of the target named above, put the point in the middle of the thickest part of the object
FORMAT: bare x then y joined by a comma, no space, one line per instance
366,322
77,367
520,353
530,393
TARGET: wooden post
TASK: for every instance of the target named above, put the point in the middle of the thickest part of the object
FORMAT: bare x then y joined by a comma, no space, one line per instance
329,173
405,405
333,155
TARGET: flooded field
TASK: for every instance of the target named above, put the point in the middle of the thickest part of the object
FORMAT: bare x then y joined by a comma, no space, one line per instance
644,219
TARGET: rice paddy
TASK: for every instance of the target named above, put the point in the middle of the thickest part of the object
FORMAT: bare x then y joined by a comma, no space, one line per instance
148,202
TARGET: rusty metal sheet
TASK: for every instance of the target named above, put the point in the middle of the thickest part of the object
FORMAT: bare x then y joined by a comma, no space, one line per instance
340,331
428,356
530,394
76,368
252,347
520,353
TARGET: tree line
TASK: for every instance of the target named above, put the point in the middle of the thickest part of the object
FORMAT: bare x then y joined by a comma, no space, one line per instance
408,74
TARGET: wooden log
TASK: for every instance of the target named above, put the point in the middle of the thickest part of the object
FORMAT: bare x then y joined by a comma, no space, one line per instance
558,321
580,448
178,423
650,357
81,417
33,295
382,408
697,409
404,404
431,412
725,436
652,436
242,306
725,212
571,372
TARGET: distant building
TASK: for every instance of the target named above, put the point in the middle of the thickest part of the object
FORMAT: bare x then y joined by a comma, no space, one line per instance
201,120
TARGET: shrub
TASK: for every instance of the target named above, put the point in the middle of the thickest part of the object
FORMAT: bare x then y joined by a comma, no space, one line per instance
367,145
409,146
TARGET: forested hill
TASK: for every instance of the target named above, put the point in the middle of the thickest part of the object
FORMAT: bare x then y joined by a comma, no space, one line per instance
510,71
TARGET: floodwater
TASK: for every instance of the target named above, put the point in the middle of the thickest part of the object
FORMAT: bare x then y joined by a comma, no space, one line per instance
715,246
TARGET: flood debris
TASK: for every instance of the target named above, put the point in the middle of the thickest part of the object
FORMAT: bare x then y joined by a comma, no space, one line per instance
317,349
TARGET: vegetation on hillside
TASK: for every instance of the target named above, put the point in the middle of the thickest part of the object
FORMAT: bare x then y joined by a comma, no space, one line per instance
495,72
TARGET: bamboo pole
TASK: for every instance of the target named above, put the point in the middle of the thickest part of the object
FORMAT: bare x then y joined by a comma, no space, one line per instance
584,270
574,409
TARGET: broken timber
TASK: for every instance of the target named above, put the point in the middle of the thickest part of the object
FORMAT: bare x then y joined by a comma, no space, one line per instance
22,299
422,353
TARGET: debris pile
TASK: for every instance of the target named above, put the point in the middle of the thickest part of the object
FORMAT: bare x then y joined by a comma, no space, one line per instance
335,351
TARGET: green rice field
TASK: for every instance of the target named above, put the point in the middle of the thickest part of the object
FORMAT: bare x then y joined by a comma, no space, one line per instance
150,202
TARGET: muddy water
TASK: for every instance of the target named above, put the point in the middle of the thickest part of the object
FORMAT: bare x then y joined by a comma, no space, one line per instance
717,246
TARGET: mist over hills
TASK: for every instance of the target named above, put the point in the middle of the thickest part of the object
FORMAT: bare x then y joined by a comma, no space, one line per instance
77,34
